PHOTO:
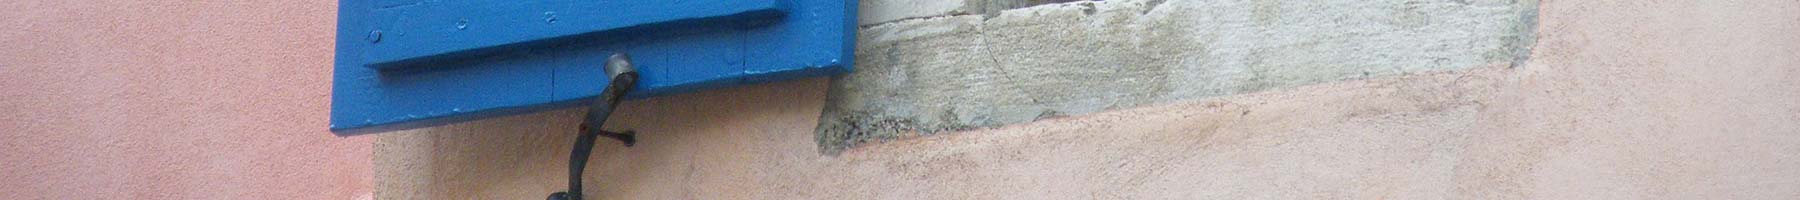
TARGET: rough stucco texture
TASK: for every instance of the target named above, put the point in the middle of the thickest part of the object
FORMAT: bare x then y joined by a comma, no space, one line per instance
966,71
1621,100
129,99
873,12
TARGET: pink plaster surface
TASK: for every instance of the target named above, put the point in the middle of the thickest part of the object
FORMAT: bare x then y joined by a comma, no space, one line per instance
130,99
1622,99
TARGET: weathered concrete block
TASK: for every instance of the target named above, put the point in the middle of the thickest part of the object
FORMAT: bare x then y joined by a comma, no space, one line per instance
871,12
963,70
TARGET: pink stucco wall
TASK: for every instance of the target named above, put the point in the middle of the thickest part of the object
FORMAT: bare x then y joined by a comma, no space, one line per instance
131,99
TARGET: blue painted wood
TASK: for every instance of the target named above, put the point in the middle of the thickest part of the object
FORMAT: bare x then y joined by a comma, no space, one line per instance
412,63
448,30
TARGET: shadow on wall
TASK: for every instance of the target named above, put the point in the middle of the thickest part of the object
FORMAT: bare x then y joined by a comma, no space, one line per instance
526,156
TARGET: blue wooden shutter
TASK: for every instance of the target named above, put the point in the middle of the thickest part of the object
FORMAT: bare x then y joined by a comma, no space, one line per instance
411,63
